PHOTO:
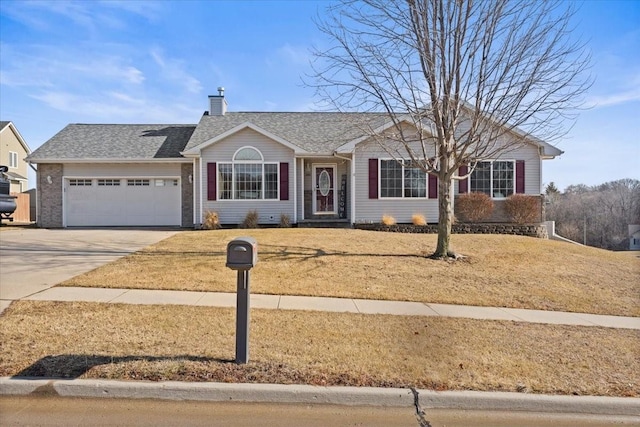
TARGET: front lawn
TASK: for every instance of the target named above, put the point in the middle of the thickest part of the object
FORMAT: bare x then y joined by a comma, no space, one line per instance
119,341
504,271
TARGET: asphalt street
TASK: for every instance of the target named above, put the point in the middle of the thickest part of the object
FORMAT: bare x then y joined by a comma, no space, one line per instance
61,411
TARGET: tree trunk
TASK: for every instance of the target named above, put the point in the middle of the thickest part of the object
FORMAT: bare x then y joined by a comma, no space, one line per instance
445,217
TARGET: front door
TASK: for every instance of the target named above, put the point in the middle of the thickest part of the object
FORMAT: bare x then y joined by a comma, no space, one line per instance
324,193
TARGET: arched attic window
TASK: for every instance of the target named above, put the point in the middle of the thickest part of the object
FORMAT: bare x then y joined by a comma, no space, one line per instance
248,153
248,177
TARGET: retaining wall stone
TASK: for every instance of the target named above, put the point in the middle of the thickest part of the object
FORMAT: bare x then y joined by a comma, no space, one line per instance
531,230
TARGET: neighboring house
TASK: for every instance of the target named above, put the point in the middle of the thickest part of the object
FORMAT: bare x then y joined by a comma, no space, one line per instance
308,166
13,151
634,237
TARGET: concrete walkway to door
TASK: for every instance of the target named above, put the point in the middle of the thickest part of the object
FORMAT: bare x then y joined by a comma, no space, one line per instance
35,259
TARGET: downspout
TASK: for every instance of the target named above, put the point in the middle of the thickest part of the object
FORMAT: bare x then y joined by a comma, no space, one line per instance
295,190
353,186
302,206
193,189
201,188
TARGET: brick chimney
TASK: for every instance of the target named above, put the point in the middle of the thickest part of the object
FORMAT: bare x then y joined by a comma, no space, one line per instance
217,103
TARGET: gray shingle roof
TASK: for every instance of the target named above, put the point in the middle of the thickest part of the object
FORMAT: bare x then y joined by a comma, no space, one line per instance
313,132
101,142
3,124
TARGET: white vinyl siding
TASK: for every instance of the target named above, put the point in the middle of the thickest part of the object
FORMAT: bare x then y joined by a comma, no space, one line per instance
372,210
234,211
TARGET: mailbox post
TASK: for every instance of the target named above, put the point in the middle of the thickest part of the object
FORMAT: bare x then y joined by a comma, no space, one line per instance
242,255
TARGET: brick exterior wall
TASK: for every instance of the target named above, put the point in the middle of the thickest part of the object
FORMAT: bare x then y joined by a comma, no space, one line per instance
187,194
50,195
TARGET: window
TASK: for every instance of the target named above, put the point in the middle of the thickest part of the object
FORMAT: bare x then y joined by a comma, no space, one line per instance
138,182
13,159
248,177
399,180
108,182
80,182
494,178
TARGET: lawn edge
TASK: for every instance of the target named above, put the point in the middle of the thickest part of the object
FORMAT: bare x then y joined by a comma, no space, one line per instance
307,394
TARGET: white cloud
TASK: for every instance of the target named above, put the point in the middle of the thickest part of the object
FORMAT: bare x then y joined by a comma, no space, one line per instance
43,66
630,95
118,107
89,15
173,70
297,55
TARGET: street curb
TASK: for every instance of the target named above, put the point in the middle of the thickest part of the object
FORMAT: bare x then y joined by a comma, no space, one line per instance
306,394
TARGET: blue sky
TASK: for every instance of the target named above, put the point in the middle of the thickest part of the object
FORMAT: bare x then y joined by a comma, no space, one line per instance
155,62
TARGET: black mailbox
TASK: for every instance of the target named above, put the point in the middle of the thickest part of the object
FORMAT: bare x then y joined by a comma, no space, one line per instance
242,253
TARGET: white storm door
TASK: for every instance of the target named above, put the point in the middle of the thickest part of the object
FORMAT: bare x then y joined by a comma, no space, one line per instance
324,192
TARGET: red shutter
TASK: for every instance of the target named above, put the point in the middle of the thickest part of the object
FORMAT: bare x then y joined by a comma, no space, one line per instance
433,186
211,181
284,181
463,184
373,178
520,176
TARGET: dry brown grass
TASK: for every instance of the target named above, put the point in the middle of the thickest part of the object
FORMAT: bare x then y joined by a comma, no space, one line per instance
504,271
93,340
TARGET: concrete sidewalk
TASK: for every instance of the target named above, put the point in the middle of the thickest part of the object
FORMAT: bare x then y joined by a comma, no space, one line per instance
285,302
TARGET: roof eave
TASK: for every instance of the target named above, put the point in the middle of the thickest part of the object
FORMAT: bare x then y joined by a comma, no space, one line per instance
197,150
18,135
111,160
351,145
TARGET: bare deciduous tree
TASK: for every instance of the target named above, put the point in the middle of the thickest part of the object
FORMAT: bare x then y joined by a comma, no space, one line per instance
599,215
473,77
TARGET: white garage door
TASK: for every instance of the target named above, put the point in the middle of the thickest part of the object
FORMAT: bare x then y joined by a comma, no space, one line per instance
122,202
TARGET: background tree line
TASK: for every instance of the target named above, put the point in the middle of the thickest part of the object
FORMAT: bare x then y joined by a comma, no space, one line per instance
598,215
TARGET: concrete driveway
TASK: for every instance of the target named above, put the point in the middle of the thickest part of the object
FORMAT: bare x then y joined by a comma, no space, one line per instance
32,260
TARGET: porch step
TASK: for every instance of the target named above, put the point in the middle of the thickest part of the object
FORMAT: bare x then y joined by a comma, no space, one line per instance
323,223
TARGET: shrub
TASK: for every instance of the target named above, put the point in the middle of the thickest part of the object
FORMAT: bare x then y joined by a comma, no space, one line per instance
522,209
285,221
418,219
211,220
251,220
474,207
388,220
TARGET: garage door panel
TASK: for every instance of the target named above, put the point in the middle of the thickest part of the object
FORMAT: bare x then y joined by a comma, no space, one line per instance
134,202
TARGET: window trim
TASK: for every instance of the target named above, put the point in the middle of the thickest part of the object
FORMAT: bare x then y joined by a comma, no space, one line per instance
492,189
263,188
13,159
403,197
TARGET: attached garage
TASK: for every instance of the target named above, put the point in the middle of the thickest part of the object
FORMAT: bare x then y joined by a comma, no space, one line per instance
139,201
